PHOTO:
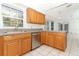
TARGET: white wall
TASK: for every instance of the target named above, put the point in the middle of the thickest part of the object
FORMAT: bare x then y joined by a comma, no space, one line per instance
74,23
1,22
74,26
74,29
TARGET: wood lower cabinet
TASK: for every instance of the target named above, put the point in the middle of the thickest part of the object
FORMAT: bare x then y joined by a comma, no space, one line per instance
16,44
26,44
39,37
43,37
11,48
50,39
1,45
60,41
54,39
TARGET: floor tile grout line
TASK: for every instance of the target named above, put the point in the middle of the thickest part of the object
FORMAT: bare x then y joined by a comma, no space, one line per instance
37,53
49,52
41,54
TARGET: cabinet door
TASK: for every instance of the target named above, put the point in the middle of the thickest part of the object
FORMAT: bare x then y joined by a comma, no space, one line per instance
50,40
31,16
42,18
26,45
38,18
59,42
43,37
11,48
39,37
1,45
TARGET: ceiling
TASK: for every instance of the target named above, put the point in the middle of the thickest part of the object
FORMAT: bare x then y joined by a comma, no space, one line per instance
54,10
40,5
65,12
43,6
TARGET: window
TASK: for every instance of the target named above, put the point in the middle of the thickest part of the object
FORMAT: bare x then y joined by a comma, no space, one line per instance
60,27
66,27
12,22
52,25
12,17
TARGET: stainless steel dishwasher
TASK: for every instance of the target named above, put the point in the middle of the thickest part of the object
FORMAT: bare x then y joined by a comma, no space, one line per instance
35,42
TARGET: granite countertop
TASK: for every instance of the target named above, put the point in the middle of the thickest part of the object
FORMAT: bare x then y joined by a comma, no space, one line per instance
53,31
18,32
24,31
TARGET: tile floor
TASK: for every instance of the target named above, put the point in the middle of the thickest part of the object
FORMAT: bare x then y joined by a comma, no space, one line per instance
71,50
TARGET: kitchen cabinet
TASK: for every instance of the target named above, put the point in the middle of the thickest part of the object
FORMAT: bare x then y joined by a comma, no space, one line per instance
60,41
43,37
35,17
1,45
38,18
31,16
26,44
18,44
11,48
42,19
15,44
50,38
54,39
39,37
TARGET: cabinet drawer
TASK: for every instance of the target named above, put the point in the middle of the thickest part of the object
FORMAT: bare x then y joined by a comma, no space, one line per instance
60,37
11,41
26,35
61,34
50,33
11,37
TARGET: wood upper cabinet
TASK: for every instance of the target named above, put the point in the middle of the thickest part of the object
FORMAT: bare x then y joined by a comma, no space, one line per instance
35,17
31,16
26,44
38,21
42,18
